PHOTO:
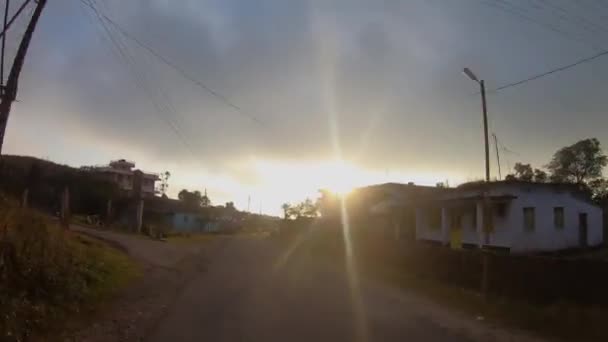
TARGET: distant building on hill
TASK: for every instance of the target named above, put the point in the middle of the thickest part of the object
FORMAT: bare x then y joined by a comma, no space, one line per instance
122,173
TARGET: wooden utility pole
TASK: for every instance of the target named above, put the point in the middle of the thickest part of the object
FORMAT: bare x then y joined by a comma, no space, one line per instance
9,91
486,214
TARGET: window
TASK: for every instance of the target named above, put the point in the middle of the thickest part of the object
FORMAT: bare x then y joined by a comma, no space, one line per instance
558,217
529,219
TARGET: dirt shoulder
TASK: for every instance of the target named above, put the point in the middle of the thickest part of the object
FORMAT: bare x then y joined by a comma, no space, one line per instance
167,268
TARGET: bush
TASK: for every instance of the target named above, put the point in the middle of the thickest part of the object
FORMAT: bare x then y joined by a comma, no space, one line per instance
46,272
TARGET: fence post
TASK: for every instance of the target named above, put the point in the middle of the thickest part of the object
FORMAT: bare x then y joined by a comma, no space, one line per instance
24,198
139,215
65,208
108,212
138,198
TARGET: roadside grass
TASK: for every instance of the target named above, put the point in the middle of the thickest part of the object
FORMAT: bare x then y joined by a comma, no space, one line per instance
49,276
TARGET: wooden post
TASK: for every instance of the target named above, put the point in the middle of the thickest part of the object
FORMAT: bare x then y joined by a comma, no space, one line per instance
65,208
24,198
108,219
138,199
139,215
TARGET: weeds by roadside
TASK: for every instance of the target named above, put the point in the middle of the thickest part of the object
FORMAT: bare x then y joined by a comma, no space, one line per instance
47,273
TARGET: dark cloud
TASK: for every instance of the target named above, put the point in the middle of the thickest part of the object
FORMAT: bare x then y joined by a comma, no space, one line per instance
392,75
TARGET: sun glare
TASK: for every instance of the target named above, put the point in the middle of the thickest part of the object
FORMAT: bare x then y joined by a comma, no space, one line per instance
340,177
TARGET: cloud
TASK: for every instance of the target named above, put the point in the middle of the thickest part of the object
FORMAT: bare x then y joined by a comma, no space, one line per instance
381,79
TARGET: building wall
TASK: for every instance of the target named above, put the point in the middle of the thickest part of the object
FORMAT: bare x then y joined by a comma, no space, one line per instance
508,230
186,222
193,223
545,236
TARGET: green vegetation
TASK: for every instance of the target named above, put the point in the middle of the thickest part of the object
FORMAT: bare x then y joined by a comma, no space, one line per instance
48,274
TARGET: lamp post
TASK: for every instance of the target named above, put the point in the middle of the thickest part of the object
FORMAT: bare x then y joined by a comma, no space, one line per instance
485,215
484,108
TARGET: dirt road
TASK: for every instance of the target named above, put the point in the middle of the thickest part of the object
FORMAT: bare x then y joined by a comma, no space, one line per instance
245,289
247,294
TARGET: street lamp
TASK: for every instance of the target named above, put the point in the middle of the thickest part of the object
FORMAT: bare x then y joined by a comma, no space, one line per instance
482,87
485,207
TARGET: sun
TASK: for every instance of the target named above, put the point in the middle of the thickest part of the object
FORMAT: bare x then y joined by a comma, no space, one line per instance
341,177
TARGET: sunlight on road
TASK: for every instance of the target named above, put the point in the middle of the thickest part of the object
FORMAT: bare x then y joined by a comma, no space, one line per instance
353,277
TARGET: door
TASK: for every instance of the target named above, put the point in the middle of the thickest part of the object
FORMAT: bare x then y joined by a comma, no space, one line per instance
582,230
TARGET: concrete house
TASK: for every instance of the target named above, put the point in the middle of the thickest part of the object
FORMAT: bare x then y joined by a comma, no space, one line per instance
122,173
521,217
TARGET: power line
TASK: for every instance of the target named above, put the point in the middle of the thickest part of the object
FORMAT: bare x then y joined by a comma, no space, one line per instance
520,13
183,73
565,15
138,77
544,74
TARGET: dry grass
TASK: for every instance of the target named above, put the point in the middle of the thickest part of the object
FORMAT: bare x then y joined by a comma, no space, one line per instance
47,274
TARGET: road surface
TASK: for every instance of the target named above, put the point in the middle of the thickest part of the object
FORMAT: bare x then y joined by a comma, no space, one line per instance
248,292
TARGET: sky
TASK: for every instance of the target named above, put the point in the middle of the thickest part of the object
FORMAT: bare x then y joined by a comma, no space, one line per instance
330,93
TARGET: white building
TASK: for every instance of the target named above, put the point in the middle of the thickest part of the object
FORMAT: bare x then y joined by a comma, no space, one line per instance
122,173
522,216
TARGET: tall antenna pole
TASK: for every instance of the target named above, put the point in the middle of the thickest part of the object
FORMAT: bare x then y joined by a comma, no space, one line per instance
9,92
497,155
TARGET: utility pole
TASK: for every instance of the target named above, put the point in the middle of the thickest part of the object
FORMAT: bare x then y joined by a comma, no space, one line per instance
485,127
9,91
497,156
249,204
486,216
484,107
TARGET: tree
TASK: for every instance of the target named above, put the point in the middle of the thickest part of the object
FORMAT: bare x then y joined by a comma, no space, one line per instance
578,163
523,172
164,183
540,176
286,209
308,208
599,189
205,201
191,198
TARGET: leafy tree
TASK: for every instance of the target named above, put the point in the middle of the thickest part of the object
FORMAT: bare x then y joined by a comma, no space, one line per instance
523,172
191,198
206,201
540,176
307,208
599,189
510,177
164,183
286,210
578,163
